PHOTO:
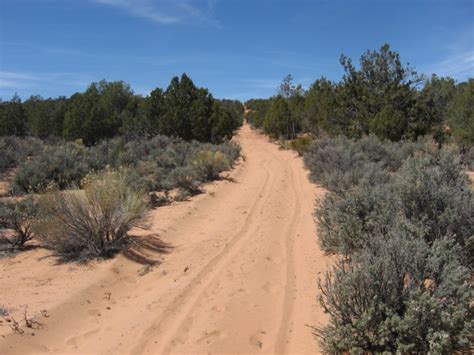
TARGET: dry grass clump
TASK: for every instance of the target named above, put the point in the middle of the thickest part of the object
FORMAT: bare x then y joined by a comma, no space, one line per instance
92,222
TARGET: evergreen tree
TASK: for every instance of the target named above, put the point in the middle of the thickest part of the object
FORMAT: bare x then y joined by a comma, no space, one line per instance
278,120
462,115
12,117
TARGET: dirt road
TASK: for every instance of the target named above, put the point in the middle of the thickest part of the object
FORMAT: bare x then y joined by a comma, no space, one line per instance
241,277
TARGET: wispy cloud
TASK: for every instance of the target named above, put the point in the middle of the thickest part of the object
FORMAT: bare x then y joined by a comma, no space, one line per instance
262,83
28,83
458,66
459,60
166,12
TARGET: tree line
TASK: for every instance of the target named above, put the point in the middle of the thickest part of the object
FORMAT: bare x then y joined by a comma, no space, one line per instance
108,109
381,96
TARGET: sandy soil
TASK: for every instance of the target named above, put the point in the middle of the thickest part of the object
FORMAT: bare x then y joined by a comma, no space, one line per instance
240,277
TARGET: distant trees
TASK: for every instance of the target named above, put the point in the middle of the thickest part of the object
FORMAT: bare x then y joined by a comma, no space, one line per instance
278,121
97,113
283,114
107,109
12,117
461,115
381,95
321,108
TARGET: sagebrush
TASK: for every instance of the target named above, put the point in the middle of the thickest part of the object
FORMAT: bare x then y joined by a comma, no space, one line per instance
92,222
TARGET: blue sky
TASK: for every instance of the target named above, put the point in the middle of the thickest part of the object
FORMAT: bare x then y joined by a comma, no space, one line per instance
237,48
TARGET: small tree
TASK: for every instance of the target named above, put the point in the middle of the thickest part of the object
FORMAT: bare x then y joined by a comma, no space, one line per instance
278,120
12,117
462,115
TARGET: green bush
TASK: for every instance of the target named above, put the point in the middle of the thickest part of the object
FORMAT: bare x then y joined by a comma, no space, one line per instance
8,156
434,197
187,179
468,159
58,166
90,223
210,164
18,217
430,197
301,145
14,150
147,163
398,295
403,282
339,164
347,220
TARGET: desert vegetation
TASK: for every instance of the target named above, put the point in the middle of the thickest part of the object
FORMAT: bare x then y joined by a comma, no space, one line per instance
83,169
90,222
389,146
109,109
381,96
392,148
400,217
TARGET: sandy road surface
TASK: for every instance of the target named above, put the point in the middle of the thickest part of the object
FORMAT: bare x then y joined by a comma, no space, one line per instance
241,277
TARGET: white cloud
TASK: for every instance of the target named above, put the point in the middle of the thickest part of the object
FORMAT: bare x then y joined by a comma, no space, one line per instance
262,83
27,83
459,60
458,66
166,12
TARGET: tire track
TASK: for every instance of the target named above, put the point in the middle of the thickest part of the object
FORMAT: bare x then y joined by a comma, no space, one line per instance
185,301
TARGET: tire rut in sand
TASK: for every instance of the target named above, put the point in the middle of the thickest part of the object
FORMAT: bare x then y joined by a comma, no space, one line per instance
185,301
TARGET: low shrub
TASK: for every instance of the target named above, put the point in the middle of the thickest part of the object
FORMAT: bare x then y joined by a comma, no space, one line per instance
187,179
8,157
434,197
301,145
56,166
231,150
338,164
18,217
210,164
347,220
468,159
429,197
159,199
147,163
403,283
398,295
14,150
90,223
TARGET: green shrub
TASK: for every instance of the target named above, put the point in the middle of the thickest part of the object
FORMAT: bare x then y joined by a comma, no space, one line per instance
146,162
231,150
17,216
210,164
403,284
58,166
146,176
14,150
187,179
8,156
347,220
434,197
301,145
399,296
429,197
468,159
90,223
339,164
